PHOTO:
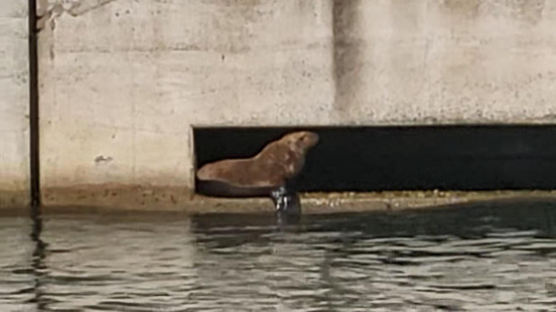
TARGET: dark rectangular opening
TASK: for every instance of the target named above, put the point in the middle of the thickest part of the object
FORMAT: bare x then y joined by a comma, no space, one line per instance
404,158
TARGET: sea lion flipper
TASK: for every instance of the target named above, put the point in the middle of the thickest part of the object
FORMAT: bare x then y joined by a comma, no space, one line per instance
286,201
287,204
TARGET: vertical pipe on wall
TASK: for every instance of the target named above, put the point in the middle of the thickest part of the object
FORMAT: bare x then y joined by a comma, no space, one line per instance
33,105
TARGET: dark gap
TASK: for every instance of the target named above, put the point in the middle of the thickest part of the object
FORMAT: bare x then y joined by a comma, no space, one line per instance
405,158
34,106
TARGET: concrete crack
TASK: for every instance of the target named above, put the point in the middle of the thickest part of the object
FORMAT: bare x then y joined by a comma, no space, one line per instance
49,10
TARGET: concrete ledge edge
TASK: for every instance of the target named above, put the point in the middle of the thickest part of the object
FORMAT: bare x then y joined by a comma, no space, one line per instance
174,199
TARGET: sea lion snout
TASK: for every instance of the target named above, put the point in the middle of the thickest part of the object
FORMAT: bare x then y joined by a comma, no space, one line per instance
303,140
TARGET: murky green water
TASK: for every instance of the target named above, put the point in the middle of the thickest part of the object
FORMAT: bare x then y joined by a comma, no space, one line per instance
488,257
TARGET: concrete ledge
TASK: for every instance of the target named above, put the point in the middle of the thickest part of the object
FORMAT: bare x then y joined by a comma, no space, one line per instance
117,197
86,199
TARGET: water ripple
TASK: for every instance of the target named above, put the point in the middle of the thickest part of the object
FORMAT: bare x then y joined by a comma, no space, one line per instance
473,258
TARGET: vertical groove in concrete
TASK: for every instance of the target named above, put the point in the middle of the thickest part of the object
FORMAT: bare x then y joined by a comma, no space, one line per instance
33,106
347,52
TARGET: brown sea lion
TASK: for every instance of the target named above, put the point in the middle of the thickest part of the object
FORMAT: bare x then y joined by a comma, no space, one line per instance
270,169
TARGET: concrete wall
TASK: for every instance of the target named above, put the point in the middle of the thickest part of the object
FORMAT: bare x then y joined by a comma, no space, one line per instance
14,103
123,81
446,61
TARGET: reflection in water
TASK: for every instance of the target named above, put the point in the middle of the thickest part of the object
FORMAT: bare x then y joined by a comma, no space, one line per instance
37,262
483,257
16,275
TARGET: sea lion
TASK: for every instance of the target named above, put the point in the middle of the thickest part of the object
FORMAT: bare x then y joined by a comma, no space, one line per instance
271,169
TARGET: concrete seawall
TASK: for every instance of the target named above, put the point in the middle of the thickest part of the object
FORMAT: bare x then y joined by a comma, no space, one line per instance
122,83
14,104
118,103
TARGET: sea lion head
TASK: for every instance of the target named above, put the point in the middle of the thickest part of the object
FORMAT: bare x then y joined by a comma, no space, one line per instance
293,147
301,140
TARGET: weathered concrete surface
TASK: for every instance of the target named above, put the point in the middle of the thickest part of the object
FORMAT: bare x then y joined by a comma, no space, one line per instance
82,199
445,61
14,103
123,81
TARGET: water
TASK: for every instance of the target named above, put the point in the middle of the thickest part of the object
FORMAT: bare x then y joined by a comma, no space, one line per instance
483,257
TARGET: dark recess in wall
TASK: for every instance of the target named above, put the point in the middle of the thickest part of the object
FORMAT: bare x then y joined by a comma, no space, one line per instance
405,158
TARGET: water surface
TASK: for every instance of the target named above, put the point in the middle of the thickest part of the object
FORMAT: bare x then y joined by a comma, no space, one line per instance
484,257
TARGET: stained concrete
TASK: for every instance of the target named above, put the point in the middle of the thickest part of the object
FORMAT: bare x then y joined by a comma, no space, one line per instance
123,82
14,103
138,199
